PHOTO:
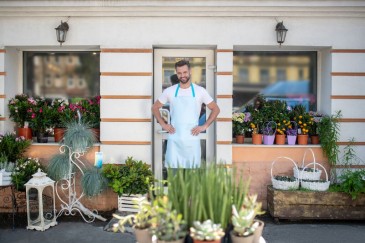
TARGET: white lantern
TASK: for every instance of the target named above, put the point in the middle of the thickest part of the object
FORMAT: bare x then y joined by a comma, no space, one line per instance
40,196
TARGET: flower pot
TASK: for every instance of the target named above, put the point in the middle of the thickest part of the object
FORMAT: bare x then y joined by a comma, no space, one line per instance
205,241
292,139
256,138
269,139
241,239
240,139
258,232
26,132
174,241
143,235
42,137
280,139
58,134
315,139
303,139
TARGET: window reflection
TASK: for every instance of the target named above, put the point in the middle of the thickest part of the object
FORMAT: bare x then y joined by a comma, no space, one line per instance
64,75
289,76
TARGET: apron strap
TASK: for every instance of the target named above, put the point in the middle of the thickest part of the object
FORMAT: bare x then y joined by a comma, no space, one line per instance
192,90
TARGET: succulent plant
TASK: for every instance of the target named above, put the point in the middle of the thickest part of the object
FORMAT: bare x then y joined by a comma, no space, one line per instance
243,221
206,231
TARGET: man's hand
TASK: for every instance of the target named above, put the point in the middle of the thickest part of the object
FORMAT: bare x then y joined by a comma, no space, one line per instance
198,129
168,127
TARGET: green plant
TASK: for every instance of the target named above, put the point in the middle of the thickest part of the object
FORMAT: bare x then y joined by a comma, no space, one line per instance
78,136
41,115
91,111
329,132
7,166
13,147
206,231
59,166
93,182
134,177
206,193
19,109
25,168
303,119
166,223
240,122
243,221
351,182
140,220
62,114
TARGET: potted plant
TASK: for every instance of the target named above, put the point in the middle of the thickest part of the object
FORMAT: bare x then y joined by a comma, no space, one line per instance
240,122
13,147
245,227
41,119
292,132
19,111
304,121
141,221
269,131
313,128
132,179
166,223
206,232
25,168
91,114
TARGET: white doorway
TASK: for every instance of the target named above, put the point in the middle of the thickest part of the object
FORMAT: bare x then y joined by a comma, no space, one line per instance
202,73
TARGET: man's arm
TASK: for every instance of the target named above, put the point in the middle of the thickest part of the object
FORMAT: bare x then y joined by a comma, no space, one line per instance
213,115
156,112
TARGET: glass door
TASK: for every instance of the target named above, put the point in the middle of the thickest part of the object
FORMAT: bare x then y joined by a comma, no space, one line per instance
202,73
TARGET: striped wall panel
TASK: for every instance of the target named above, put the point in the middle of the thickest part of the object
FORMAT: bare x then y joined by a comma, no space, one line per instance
126,99
2,90
348,94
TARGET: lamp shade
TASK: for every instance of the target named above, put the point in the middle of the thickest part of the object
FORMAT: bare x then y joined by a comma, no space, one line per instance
280,32
61,32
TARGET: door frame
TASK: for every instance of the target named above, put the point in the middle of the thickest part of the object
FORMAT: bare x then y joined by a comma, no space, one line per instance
157,136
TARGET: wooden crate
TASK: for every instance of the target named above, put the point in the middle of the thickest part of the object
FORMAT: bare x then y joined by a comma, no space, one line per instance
126,204
314,205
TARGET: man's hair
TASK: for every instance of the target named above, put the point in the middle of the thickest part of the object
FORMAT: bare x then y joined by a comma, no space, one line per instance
182,63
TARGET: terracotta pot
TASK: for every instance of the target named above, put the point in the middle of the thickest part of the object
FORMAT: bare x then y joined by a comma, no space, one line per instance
315,139
258,232
241,239
303,139
96,132
240,139
58,134
280,139
143,235
25,132
292,139
256,138
174,241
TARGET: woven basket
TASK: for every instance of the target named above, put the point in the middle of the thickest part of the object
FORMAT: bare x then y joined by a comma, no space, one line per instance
284,185
300,173
316,185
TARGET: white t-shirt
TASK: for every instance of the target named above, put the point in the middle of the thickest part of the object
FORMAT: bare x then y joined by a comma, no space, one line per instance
201,96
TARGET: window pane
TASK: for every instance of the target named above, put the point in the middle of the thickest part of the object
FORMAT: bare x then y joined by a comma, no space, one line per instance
289,76
64,75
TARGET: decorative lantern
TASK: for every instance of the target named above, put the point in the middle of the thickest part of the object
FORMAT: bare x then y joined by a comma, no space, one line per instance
40,196
280,32
61,32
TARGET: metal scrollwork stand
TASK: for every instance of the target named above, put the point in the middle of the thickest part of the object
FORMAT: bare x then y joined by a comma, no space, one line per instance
68,189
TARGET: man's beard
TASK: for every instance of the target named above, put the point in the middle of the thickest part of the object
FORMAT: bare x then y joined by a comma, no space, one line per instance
184,81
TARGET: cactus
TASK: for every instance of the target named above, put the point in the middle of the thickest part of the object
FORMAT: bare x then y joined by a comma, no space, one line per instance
206,231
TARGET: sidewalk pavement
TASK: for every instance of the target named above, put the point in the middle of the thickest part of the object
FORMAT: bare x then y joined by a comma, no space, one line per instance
285,232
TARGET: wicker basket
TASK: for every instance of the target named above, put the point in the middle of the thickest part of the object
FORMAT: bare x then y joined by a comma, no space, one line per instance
284,185
300,173
316,185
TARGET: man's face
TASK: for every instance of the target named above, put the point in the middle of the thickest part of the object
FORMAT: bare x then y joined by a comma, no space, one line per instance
183,74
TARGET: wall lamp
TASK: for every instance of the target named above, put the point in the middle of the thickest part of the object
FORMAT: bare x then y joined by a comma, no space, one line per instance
61,32
280,32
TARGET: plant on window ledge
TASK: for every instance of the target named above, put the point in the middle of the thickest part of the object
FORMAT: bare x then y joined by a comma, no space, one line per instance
19,109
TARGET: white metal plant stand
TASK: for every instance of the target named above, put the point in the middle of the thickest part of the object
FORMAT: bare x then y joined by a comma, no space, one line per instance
68,189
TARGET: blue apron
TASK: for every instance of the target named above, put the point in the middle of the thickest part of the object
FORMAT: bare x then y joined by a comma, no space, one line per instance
183,149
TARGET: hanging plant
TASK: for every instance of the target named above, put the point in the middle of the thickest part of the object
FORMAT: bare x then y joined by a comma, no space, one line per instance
78,136
59,166
93,182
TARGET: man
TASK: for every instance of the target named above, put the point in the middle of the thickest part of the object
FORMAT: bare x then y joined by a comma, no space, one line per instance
185,99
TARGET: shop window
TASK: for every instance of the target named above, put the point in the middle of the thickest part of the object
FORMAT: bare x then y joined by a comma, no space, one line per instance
289,76
66,75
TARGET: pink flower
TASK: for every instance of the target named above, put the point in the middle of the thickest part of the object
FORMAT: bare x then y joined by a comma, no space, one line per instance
33,115
40,110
